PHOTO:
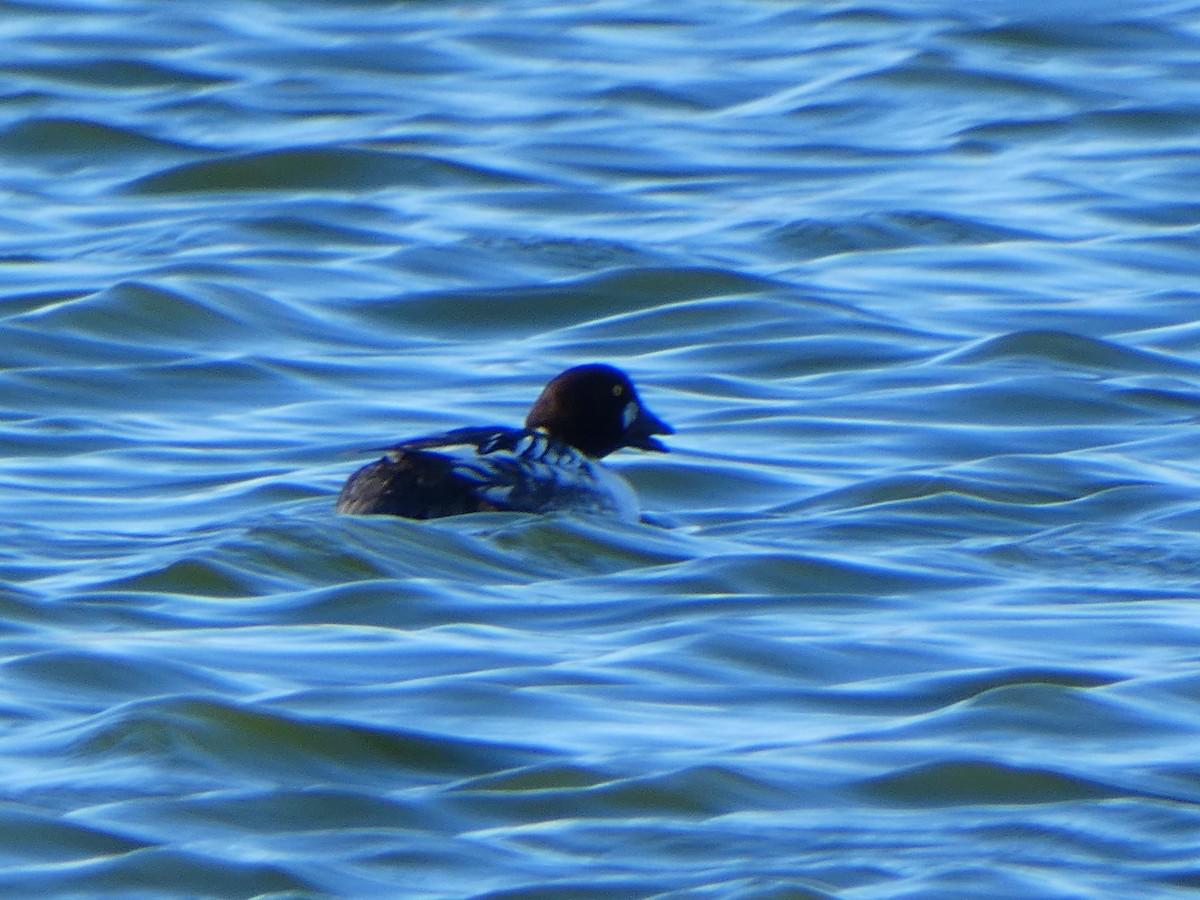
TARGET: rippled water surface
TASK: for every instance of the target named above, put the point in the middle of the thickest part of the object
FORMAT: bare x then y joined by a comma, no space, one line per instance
913,612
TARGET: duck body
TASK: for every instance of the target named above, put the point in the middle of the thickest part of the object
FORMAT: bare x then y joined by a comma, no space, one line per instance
485,469
552,464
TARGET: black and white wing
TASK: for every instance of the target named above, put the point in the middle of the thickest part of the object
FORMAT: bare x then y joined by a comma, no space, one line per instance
482,469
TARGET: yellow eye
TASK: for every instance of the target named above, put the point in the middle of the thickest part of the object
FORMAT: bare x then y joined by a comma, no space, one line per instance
618,390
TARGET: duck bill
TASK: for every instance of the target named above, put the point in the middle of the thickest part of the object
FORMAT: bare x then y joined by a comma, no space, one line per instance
642,429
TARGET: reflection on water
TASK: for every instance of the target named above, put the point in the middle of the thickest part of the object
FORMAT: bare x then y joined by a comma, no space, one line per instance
912,611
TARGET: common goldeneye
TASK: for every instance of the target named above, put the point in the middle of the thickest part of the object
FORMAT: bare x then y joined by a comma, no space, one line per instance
582,415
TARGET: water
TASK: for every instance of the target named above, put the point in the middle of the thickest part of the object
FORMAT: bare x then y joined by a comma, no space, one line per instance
913,613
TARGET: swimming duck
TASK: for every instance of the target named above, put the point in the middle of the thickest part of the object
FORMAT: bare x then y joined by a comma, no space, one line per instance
581,416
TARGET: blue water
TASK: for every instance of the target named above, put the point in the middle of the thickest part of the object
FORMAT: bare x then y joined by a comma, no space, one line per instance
913,610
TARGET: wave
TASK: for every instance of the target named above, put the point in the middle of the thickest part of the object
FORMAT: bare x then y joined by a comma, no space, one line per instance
343,169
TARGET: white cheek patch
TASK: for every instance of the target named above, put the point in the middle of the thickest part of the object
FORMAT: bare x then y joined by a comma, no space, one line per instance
629,414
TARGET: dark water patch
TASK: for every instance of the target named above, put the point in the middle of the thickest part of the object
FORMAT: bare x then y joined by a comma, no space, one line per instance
466,677
166,490
711,95
773,338
693,792
858,16
374,562
1174,690
1171,255
100,75
278,813
273,325
994,511
1073,351
345,169
1015,131
753,651
21,611
644,172
1077,476
1160,215
1092,127
700,386
572,888
269,558
925,693
588,546
61,554
972,782
346,842
193,577
359,55
563,256
936,76
906,488
371,600
930,509
1060,710
135,313
783,667
316,226
1034,402
158,871
250,743
31,836
795,574
1078,721
1185,877
1162,121
29,436
541,201
208,386
88,610
654,97
17,304
531,309
26,348
600,602
704,320
1173,402
889,231
1107,39
87,679
81,142
460,654
684,484
548,777
1112,557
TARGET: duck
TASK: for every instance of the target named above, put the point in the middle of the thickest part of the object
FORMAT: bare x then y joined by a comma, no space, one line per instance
552,464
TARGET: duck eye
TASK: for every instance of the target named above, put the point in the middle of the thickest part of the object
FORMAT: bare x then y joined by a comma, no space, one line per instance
618,390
